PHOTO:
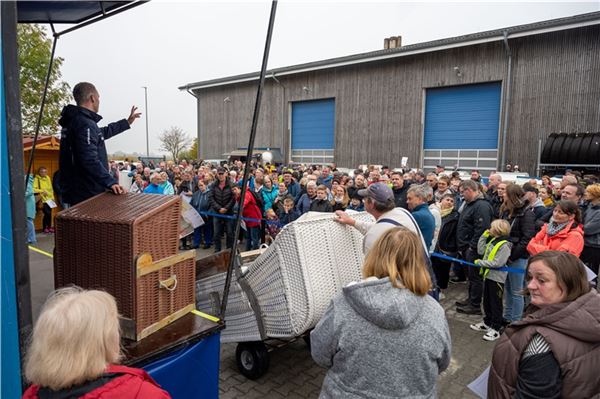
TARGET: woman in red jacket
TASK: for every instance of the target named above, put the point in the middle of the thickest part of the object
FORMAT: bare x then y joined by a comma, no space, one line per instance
564,232
249,211
75,350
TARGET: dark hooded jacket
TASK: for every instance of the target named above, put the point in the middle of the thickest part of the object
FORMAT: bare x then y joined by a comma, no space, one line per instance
474,219
522,230
400,195
83,161
571,329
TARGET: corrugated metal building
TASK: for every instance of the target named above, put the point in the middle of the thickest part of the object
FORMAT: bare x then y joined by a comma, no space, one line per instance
477,101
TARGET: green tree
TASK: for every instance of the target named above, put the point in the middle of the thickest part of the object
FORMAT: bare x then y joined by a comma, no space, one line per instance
34,48
192,153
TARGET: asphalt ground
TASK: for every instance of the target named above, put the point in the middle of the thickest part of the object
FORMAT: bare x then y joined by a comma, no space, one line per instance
292,372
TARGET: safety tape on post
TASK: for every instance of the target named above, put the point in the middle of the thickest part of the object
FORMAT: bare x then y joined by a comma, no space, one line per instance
232,217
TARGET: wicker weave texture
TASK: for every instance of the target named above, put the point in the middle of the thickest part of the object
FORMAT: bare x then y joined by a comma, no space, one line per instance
294,280
98,240
159,302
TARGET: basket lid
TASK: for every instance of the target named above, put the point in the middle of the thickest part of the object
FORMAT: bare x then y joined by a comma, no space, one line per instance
124,208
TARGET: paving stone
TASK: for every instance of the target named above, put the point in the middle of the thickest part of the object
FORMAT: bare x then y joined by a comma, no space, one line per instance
293,373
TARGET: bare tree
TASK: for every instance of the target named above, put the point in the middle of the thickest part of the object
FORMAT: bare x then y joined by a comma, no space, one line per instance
174,141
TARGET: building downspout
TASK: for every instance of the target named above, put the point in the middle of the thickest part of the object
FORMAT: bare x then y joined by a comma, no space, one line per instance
198,110
506,100
287,157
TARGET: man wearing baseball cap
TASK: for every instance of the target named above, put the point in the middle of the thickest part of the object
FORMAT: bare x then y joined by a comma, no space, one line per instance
379,202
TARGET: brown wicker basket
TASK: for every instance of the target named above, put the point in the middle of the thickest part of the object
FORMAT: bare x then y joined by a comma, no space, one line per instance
99,244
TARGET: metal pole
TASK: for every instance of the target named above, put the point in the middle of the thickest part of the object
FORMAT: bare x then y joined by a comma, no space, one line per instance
238,218
507,100
39,119
146,112
539,157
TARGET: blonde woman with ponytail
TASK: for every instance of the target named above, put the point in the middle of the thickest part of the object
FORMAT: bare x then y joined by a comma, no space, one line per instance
384,336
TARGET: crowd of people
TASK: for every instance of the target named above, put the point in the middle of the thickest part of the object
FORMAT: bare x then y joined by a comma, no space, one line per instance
430,230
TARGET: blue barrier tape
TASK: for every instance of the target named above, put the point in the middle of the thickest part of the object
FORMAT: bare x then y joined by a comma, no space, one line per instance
232,217
464,262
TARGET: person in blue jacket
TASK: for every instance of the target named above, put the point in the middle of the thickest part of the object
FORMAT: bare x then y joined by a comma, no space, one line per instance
30,210
416,198
83,161
155,186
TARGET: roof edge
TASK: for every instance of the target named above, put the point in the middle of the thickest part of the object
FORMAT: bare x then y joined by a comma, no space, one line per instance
530,29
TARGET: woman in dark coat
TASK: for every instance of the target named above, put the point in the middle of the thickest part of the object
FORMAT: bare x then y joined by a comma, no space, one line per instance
554,351
517,212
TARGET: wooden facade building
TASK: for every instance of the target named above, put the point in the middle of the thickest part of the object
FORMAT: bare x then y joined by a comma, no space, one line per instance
476,101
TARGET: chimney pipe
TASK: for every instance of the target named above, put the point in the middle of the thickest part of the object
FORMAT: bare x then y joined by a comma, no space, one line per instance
392,42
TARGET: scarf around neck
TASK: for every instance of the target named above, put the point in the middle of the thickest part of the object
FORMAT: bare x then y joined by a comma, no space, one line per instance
446,212
554,228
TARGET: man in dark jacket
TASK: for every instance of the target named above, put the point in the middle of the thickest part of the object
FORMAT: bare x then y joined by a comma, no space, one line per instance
292,186
492,195
83,161
475,217
221,201
400,189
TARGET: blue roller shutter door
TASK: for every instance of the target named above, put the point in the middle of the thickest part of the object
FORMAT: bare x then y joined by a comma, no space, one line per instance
313,126
461,124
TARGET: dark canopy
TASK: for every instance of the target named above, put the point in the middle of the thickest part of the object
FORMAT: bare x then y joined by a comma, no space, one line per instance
65,12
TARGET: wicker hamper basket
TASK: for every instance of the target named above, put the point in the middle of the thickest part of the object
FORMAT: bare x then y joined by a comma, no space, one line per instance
128,246
293,281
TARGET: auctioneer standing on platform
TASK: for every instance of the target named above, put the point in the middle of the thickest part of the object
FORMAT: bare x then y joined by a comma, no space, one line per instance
83,160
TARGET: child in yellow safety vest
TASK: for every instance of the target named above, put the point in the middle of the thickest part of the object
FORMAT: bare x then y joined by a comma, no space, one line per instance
495,247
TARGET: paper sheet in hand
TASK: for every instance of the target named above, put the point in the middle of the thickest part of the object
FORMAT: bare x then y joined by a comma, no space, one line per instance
193,217
186,198
480,385
51,203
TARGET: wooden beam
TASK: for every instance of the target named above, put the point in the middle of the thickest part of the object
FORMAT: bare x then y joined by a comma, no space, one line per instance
166,321
145,264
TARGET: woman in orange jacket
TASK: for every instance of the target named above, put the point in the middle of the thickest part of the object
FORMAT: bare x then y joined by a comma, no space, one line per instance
564,232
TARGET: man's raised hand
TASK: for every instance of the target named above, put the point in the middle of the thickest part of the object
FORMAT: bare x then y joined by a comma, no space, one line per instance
133,115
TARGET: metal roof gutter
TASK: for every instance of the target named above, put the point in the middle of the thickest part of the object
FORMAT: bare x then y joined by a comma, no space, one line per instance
578,21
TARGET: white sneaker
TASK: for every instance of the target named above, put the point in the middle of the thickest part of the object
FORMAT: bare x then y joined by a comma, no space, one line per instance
491,335
442,296
479,327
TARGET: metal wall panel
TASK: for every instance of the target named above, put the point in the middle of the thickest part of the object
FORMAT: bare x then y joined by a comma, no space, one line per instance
379,105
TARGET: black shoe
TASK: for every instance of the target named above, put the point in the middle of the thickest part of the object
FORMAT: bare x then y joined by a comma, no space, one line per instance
464,302
469,310
456,280
195,247
205,246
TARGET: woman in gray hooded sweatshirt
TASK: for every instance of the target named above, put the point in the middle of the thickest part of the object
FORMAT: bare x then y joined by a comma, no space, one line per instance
384,337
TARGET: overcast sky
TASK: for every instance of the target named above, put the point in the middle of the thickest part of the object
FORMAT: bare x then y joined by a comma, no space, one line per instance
164,45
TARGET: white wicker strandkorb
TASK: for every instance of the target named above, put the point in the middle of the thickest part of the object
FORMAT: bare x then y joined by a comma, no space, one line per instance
294,280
